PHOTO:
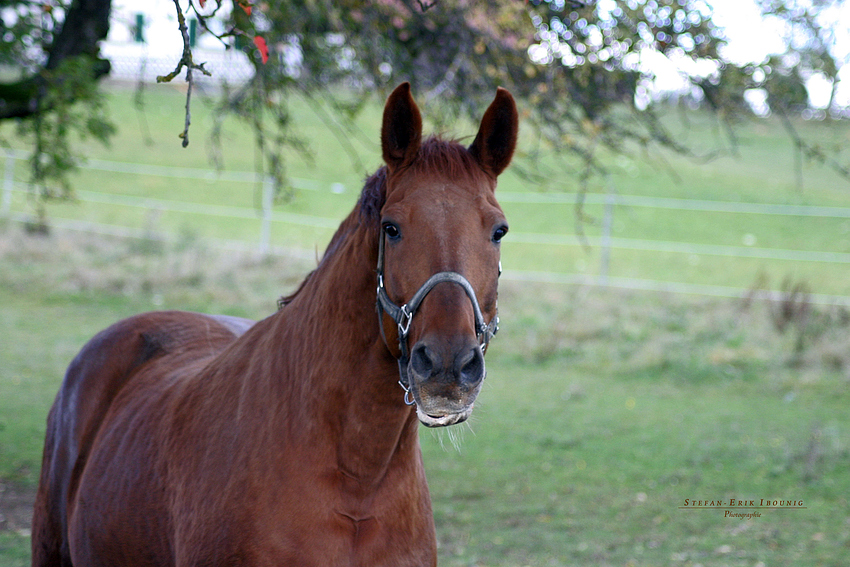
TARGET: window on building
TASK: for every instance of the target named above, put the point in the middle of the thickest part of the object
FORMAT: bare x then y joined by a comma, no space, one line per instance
139,29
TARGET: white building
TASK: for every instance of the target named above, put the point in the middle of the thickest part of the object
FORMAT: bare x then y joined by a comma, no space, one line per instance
144,41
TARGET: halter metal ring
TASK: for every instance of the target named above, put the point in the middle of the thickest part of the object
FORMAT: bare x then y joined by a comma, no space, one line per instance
407,394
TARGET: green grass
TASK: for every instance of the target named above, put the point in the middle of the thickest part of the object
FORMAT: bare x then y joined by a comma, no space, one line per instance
600,479
762,173
591,434
603,410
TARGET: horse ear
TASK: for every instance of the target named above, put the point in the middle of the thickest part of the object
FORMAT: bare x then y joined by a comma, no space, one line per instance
496,140
401,130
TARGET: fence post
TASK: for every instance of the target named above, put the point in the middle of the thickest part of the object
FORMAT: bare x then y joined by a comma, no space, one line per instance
605,242
8,183
265,229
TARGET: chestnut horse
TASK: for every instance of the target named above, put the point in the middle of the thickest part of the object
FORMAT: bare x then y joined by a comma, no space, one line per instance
187,439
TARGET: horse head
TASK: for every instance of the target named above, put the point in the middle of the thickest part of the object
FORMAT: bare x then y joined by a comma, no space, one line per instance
439,265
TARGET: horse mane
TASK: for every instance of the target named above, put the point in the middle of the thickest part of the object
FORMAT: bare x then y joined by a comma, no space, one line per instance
435,154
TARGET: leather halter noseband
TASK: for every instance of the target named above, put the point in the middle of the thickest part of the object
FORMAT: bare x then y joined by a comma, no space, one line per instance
403,315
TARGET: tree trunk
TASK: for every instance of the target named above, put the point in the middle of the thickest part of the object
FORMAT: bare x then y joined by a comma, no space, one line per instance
86,24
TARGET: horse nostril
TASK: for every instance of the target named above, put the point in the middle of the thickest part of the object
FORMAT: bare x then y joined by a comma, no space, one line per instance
471,364
422,359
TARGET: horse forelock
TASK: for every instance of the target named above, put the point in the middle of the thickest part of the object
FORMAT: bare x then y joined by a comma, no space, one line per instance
448,157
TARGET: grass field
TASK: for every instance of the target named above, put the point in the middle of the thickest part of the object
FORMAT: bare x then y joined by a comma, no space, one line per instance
764,173
603,410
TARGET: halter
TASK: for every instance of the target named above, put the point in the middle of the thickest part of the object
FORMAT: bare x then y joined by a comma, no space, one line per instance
403,316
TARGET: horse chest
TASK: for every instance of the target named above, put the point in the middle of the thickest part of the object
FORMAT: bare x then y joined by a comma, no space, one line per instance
336,521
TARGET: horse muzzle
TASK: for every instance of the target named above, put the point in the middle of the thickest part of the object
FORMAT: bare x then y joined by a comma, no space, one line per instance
444,380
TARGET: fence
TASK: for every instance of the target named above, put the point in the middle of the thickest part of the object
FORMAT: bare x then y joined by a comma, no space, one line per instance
132,65
266,215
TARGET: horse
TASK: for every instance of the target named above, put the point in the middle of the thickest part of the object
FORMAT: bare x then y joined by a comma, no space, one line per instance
187,439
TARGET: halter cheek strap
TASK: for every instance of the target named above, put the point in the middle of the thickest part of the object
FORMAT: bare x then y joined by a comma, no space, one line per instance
403,315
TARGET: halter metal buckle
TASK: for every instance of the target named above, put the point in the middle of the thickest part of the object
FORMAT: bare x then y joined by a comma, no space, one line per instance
405,319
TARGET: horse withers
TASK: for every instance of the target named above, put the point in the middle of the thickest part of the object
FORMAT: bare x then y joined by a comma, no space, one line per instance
186,439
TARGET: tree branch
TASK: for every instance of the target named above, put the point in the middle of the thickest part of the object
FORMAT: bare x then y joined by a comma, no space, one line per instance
185,61
425,6
805,150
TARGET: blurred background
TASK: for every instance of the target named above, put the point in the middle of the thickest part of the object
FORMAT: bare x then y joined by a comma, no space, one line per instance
675,303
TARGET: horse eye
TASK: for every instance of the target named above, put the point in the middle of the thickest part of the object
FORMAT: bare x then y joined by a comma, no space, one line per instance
392,231
499,233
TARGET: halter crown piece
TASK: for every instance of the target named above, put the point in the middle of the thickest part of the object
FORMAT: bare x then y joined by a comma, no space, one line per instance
403,315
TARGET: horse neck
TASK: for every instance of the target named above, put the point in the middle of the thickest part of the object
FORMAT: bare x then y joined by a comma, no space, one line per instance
343,380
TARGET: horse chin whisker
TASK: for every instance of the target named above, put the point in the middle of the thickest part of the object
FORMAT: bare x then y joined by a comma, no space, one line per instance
454,435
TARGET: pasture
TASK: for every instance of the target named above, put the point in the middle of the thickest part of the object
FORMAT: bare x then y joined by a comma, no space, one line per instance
603,410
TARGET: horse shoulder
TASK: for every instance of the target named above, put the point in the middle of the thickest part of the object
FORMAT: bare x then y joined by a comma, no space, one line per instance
117,355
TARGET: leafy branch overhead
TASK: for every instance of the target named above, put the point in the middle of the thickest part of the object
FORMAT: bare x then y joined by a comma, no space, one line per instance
587,74
50,56
186,60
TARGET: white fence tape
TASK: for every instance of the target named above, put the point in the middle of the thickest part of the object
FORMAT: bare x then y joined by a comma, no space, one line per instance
606,242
